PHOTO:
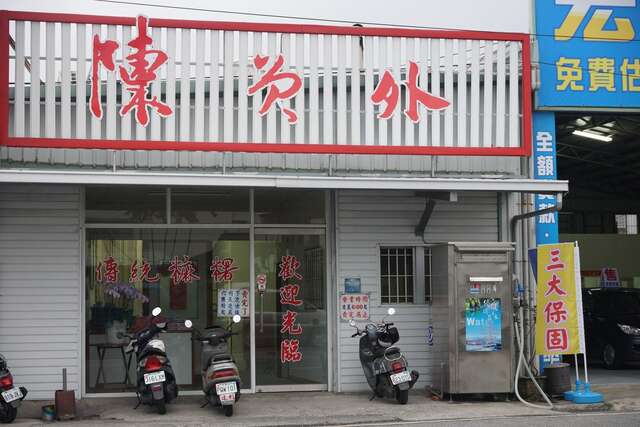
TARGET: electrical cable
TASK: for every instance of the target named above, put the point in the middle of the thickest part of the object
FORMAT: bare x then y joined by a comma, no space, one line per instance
341,21
519,338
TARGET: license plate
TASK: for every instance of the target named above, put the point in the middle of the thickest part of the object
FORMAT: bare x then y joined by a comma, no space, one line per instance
226,388
154,377
227,398
11,395
402,377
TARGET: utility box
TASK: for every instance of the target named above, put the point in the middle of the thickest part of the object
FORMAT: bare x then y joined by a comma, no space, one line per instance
472,297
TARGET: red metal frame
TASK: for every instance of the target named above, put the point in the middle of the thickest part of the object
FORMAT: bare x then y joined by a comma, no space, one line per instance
6,16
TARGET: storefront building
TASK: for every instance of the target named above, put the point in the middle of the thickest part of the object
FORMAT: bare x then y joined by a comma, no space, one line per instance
281,172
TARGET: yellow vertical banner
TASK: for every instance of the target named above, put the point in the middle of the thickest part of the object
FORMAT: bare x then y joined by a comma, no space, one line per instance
559,320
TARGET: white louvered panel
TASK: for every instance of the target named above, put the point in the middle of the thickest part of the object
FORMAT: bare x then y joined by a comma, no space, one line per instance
435,89
242,88
396,119
382,60
34,94
356,64
110,112
487,87
19,104
300,103
271,115
448,93
170,96
475,94
514,119
256,99
369,123
198,120
500,94
285,50
81,86
95,122
65,83
423,130
341,107
314,105
50,85
185,91
327,90
408,124
462,94
156,89
214,86
127,120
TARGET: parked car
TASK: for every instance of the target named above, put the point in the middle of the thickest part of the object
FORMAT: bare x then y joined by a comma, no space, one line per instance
612,325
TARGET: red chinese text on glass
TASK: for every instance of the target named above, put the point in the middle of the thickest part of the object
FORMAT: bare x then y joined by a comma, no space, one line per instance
222,269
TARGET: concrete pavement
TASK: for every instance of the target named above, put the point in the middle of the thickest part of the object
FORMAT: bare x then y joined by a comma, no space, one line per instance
313,408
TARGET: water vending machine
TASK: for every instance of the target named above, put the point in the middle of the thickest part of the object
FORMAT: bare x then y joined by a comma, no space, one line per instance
472,316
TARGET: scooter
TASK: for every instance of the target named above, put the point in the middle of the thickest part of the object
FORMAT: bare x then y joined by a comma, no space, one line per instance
220,376
155,380
11,396
384,366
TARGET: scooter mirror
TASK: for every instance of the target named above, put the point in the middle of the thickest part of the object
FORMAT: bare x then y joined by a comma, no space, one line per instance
236,318
156,311
391,311
352,323
188,323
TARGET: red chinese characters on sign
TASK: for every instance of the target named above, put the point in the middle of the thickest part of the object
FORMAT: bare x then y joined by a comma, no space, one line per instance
388,92
291,83
222,269
289,351
289,265
142,273
182,271
102,54
290,348
107,271
554,312
137,80
557,339
288,323
289,294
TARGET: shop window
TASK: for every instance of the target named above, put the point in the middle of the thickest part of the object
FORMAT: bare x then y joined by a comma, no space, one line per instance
209,205
405,275
627,224
280,206
195,274
130,205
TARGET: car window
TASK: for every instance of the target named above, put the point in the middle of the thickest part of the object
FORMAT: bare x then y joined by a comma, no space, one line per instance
626,303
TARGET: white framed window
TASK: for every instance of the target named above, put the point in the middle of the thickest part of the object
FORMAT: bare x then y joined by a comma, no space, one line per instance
405,275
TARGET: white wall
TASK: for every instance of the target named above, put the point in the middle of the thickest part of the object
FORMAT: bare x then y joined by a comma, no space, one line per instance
367,219
40,295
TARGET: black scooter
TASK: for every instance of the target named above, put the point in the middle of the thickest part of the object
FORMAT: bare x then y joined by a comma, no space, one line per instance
10,395
385,367
156,382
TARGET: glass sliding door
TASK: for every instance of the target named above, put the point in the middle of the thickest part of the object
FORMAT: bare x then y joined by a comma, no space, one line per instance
291,311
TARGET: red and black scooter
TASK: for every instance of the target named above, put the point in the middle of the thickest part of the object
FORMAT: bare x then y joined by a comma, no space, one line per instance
10,395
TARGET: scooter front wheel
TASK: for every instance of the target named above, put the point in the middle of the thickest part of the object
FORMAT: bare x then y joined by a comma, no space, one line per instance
7,413
402,396
228,410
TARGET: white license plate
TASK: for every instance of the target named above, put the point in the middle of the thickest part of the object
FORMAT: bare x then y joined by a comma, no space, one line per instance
226,388
11,395
402,377
154,377
227,398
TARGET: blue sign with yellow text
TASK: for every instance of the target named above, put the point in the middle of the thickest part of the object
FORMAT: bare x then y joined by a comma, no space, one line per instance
589,53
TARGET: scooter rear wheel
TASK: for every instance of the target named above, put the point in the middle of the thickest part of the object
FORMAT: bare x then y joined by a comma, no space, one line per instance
228,410
7,413
402,396
162,407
